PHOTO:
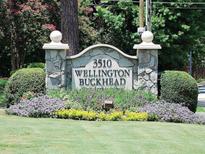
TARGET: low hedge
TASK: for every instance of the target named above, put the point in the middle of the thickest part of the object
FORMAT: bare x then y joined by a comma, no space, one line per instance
25,80
179,87
91,115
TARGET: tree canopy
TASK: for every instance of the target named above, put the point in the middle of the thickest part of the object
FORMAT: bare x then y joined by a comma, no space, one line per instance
179,26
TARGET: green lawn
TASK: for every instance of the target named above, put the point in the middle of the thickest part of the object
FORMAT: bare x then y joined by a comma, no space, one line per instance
200,109
55,136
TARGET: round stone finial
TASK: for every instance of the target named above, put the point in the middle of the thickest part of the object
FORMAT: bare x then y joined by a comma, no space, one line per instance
147,37
56,36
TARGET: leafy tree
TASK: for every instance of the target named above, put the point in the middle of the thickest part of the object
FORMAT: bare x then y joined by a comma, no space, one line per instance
88,32
176,26
117,24
24,28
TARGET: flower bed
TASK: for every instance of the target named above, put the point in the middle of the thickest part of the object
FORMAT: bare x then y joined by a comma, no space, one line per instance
171,112
92,99
41,106
44,106
91,115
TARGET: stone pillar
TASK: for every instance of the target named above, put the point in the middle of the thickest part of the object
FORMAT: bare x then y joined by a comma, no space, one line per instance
147,53
55,61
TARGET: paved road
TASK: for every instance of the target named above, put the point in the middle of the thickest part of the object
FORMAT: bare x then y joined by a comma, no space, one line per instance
201,96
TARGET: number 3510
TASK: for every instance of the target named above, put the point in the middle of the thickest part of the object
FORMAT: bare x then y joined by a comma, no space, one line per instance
102,63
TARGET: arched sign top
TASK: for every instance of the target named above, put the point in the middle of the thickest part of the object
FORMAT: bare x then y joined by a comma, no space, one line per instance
98,46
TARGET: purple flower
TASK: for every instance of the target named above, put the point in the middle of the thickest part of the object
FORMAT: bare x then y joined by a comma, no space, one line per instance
41,106
172,112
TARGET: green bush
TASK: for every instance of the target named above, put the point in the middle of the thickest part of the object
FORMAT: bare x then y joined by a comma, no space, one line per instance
92,99
36,65
25,80
179,87
2,84
31,65
2,95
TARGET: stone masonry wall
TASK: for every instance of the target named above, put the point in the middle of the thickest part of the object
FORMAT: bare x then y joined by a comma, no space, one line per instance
148,70
143,67
59,67
55,69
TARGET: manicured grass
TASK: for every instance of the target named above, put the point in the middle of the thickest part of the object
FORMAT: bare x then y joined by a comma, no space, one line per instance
54,136
200,109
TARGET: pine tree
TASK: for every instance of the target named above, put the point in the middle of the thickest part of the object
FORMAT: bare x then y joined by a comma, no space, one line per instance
69,25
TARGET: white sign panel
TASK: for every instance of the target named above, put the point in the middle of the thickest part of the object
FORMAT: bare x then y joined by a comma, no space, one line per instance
102,73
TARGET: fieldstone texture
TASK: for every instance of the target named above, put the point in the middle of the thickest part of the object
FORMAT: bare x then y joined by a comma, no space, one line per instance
55,69
148,70
143,67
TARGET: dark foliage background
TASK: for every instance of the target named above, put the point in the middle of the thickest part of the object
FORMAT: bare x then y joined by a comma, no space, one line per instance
25,26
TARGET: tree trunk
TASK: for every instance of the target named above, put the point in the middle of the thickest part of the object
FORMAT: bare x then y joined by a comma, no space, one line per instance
15,57
69,25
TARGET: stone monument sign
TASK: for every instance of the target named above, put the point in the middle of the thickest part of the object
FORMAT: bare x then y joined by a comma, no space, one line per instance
101,66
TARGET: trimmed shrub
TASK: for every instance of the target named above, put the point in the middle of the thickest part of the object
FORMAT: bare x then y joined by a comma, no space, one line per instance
91,115
41,106
92,99
171,112
25,80
36,65
179,87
